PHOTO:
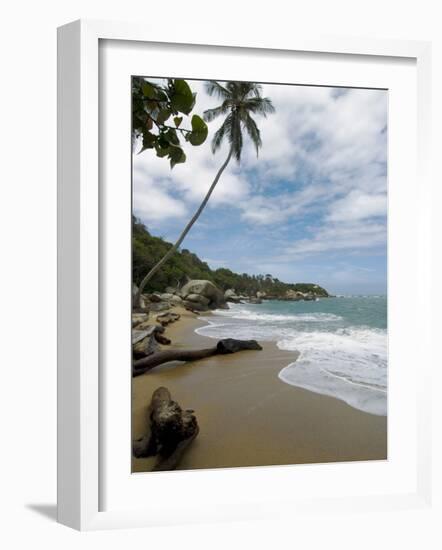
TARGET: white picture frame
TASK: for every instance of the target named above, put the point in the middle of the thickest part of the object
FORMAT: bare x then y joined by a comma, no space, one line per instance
80,394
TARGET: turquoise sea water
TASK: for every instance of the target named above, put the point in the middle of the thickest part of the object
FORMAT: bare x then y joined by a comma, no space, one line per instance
342,343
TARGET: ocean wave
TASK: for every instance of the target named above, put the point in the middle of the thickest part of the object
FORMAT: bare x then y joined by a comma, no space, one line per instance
345,362
350,364
247,315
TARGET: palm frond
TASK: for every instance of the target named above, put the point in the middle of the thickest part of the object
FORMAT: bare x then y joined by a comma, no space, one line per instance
235,137
253,131
214,88
250,88
256,90
211,114
259,105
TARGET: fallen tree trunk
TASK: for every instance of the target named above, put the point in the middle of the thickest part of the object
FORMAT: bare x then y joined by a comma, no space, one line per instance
171,431
227,345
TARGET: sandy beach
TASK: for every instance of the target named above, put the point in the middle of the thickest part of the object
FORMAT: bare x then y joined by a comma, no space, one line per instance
248,416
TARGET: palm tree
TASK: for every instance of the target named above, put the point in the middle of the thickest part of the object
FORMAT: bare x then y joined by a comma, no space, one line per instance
239,101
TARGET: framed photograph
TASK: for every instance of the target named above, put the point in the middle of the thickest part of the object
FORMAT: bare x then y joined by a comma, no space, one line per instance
239,223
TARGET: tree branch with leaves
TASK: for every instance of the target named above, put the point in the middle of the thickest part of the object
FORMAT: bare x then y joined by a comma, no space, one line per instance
152,106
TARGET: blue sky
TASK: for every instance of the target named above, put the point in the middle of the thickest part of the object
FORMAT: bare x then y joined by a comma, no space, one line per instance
311,208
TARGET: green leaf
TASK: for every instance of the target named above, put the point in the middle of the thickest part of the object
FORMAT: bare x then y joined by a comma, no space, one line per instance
149,91
149,140
176,155
161,96
163,141
199,131
172,137
178,120
182,99
163,115
162,151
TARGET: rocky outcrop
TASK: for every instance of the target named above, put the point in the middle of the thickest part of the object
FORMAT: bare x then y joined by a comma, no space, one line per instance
296,295
199,299
293,295
139,318
170,290
212,297
166,297
194,307
231,296
145,341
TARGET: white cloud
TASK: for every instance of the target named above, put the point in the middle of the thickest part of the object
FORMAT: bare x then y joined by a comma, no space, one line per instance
357,206
155,204
329,150
340,237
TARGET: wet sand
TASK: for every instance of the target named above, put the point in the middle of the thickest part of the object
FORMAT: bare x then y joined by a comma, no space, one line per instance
248,416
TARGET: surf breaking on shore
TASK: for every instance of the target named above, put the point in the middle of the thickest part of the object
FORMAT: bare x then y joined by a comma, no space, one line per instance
340,355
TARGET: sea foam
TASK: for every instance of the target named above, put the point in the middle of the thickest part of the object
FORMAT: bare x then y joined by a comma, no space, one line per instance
348,362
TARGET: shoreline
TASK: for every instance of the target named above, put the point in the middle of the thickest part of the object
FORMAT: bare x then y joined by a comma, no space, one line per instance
248,416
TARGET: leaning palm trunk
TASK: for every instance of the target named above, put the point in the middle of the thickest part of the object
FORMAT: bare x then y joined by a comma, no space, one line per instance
171,251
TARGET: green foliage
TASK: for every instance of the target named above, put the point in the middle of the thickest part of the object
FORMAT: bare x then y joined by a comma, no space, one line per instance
199,131
182,99
152,108
147,250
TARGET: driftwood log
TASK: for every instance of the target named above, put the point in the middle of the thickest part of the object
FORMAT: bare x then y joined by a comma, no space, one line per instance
171,431
227,345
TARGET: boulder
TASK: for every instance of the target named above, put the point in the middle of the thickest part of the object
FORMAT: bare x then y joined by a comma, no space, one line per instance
206,289
198,298
293,295
138,335
253,300
176,300
261,294
231,296
194,306
148,324
166,297
155,298
146,346
138,318
160,306
145,342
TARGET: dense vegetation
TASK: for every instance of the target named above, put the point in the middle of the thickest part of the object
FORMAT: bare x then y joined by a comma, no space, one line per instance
147,250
